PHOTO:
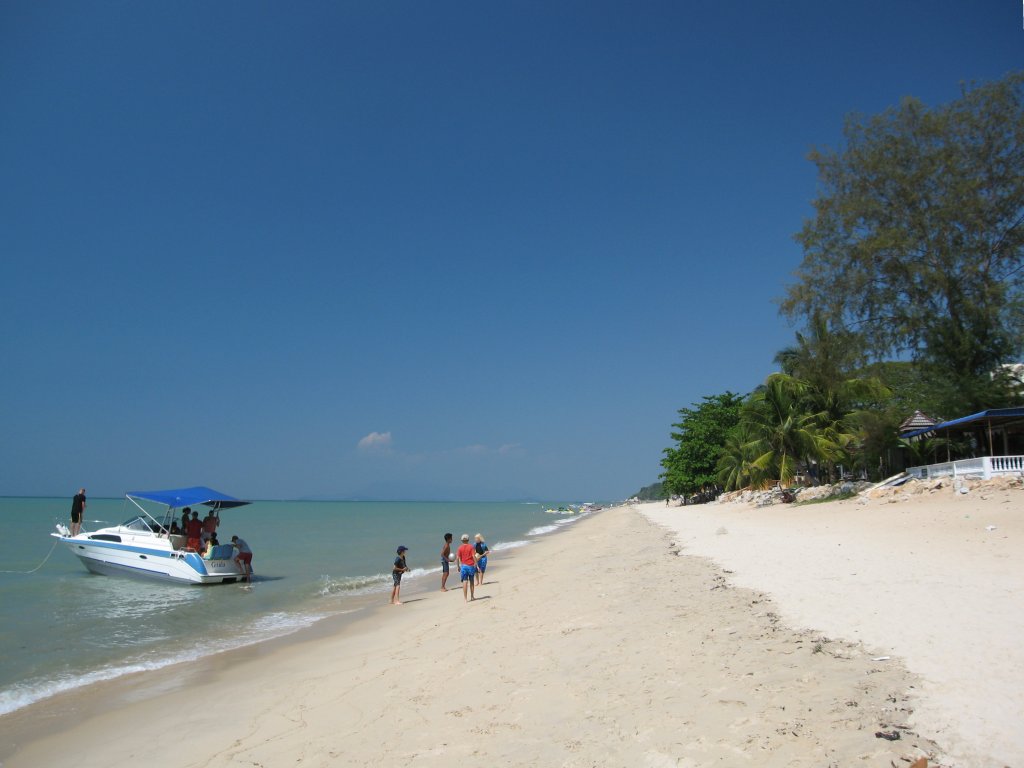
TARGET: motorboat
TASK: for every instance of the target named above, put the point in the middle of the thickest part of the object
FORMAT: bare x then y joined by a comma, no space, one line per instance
145,546
561,510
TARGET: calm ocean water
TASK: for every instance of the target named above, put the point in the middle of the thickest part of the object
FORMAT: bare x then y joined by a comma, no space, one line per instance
62,627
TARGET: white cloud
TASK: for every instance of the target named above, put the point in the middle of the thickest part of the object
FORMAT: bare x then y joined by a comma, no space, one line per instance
375,441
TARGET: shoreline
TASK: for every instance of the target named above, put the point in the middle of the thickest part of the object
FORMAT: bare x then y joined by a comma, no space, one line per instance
39,719
290,596
599,645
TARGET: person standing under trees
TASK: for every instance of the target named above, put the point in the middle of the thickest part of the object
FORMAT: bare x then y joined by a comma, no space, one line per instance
77,511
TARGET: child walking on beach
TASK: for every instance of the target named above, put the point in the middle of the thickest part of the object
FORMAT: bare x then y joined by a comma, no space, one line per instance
482,551
396,574
466,556
446,557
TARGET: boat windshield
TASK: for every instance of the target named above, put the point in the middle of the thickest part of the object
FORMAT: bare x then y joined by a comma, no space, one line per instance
141,523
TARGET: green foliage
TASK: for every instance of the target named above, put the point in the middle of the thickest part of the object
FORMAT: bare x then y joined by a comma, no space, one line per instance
915,251
789,423
917,243
653,492
690,466
736,468
783,427
824,356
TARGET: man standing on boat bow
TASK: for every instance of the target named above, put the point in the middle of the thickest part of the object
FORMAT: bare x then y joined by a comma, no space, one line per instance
77,511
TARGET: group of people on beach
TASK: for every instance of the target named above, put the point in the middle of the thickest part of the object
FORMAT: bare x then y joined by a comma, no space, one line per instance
471,558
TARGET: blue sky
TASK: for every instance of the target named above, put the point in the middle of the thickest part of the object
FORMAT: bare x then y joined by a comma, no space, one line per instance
416,249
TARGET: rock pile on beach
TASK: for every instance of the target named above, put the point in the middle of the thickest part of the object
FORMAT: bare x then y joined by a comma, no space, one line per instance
867,491
961,485
777,496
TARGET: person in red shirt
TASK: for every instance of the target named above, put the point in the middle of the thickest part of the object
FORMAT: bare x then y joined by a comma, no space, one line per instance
466,556
210,523
194,531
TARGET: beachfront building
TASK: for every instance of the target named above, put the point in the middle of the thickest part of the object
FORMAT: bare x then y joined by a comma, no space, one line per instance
982,445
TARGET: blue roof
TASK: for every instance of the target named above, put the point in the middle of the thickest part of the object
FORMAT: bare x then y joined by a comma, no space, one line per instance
994,413
184,497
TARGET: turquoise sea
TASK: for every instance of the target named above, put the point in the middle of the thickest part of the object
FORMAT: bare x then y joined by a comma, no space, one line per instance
62,627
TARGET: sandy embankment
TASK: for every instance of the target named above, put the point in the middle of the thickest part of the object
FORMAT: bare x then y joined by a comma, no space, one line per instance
935,579
597,646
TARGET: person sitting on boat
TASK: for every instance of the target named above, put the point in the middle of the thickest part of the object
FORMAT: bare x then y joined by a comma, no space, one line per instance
194,531
175,530
208,547
244,557
210,523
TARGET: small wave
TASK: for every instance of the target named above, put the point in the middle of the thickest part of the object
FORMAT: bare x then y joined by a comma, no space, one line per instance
277,624
265,628
540,530
353,584
508,545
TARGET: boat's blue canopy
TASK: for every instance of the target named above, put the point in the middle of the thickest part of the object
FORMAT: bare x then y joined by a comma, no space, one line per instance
187,497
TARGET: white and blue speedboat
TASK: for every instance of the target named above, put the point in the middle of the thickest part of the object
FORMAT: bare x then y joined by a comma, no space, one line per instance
144,545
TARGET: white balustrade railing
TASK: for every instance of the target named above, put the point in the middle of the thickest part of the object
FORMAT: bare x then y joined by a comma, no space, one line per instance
984,467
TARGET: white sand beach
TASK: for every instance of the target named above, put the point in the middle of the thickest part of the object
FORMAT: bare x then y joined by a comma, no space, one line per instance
934,579
716,635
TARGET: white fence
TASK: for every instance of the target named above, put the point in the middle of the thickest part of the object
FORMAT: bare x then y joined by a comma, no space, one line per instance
984,467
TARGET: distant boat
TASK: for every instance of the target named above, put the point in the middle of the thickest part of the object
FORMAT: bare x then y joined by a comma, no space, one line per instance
143,546
561,511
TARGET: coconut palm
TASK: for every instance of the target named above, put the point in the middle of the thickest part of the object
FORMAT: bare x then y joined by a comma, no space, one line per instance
735,466
785,430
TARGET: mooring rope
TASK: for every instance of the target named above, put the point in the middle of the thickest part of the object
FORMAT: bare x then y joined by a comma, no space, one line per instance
55,543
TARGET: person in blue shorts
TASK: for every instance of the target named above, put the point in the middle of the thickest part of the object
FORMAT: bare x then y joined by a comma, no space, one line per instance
396,575
446,553
466,556
481,558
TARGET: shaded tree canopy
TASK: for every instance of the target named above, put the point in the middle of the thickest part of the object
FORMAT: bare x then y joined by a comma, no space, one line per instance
690,466
917,242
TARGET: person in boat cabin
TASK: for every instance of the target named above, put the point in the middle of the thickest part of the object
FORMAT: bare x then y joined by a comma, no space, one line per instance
77,511
194,531
185,514
244,557
210,523
175,530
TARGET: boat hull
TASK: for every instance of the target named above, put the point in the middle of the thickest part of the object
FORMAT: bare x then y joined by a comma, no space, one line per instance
116,559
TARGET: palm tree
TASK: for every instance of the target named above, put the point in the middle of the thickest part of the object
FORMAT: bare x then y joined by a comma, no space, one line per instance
786,431
823,356
735,466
